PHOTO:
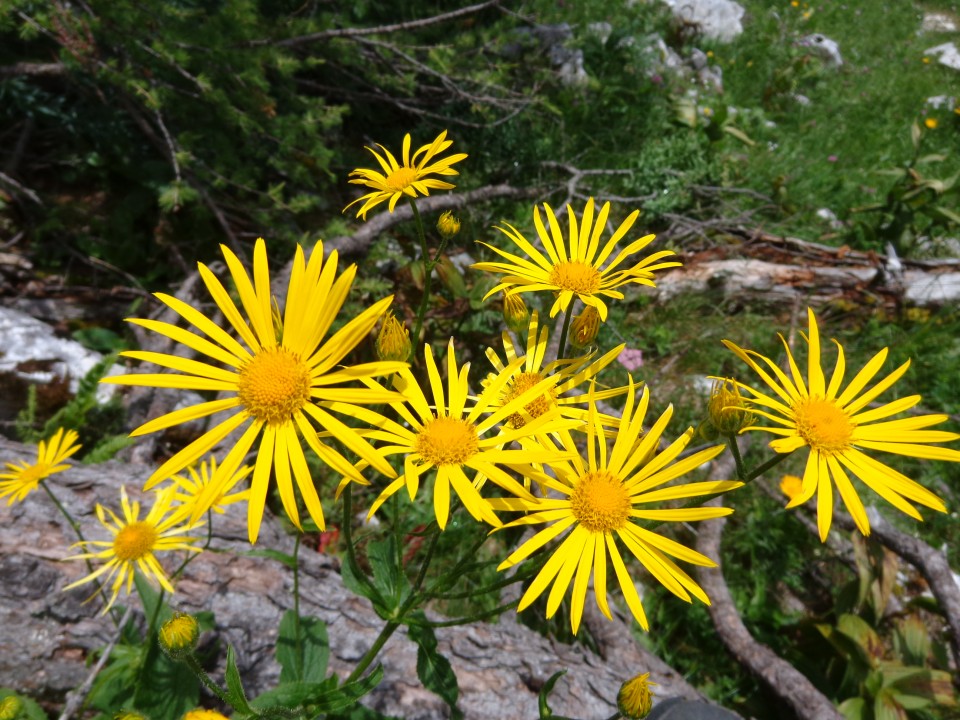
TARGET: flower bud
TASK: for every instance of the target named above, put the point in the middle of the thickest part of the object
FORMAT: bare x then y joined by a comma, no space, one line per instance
393,342
178,635
727,410
584,328
448,225
635,700
203,714
10,707
515,312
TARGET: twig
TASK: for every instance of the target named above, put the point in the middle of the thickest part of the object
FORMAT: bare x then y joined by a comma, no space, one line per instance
7,180
33,69
75,698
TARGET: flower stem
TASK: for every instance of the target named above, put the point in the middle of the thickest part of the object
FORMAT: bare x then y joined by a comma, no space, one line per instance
428,266
563,333
298,651
771,463
207,681
735,449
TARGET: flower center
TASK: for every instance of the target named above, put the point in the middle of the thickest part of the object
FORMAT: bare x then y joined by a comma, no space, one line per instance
401,178
823,425
576,276
536,407
447,441
274,385
134,541
600,502
33,474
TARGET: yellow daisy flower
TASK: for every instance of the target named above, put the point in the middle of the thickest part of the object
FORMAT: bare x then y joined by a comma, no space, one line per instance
598,499
275,381
408,179
568,375
578,267
135,543
446,435
23,479
192,484
837,427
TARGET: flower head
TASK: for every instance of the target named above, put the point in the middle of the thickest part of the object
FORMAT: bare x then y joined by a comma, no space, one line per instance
837,426
444,437
791,486
23,479
202,714
727,412
600,499
931,123
447,225
178,636
135,543
409,178
273,386
635,699
194,483
515,312
393,341
577,267
11,707
585,327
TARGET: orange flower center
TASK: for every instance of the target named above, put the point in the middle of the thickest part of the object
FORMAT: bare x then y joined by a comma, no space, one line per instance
274,385
447,441
600,502
823,425
401,178
536,407
34,474
576,276
134,541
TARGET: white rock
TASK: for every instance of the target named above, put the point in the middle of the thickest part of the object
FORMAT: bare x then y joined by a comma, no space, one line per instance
600,30
947,102
938,22
829,217
947,54
717,19
824,48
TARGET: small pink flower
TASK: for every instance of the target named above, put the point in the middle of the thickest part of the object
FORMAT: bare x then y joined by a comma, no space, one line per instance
831,158
631,358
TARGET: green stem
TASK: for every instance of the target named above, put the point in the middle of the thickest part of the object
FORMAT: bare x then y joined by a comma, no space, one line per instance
427,278
208,682
152,643
771,463
563,333
298,651
735,449
347,530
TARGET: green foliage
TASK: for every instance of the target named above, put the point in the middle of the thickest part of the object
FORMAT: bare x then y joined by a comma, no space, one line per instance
303,649
543,706
30,710
433,669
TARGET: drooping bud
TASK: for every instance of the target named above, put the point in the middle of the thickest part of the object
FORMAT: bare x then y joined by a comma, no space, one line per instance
515,312
635,699
393,342
448,225
178,635
585,327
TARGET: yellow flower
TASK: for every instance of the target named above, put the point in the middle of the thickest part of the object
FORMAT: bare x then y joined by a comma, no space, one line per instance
599,499
135,543
24,478
635,699
585,327
393,340
189,489
837,426
10,707
201,714
568,374
408,179
178,636
791,486
442,433
515,312
447,225
931,123
578,268
727,411
272,387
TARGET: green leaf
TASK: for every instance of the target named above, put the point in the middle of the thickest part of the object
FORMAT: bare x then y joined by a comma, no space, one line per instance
738,134
545,711
433,669
945,214
236,696
885,707
450,276
319,698
388,577
289,560
152,602
854,709
168,688
30,711
308,662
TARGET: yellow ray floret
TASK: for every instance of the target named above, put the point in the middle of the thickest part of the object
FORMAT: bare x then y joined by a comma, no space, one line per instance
837,425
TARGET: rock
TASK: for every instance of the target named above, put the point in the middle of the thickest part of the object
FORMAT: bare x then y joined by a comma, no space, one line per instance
830,218
679,709
945,102
601,31
716,19
947,55
938,22
824,48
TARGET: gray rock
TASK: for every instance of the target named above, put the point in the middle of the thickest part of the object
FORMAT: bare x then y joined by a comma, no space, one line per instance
717,19
680,709
938,22
947,55
824,48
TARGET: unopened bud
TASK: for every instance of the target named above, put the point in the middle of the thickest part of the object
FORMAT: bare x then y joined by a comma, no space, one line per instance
10,707
178,635
635,700
585,327
727,410
515,312
393,342
448,225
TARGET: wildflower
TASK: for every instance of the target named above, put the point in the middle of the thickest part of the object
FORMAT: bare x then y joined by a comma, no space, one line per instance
791,486
727,411
599,499
10,707
178,636
393,340
408,179
272,387
837,427
515,312
635,699
447,225
578,268
585,327
568,374
195,482
135,543
23,479
926,60
931,123
443,434
631,359
202,714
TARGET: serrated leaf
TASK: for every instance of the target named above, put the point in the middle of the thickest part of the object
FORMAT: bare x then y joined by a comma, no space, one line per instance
236,696
433,669
545,711
319,698
304,660
388,576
